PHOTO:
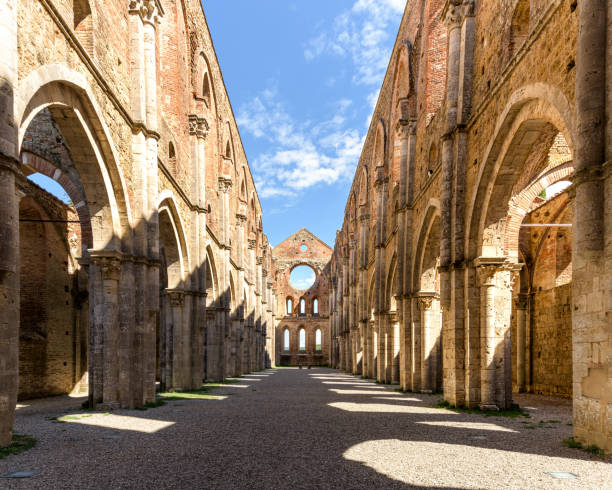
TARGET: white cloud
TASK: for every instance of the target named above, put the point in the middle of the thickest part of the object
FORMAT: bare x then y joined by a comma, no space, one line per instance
364,32
300,155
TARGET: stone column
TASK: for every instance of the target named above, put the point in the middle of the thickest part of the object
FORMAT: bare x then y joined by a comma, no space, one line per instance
150,20
176,374
104,271
394,348
496,279
9,223
521,303
592,301
459,17
198,131
9,293
406,129
431,329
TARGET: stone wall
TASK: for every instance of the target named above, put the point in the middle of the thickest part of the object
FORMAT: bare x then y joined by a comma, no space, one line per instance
522,108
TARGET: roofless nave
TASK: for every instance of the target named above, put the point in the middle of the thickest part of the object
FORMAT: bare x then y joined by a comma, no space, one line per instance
466,262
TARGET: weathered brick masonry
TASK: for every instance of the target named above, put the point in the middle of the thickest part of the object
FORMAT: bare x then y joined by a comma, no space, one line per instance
166,274
453,270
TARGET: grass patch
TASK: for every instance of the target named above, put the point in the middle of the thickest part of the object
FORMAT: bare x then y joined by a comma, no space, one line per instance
154,404
187,395
401,390
199,394
20,444
593,449
510,413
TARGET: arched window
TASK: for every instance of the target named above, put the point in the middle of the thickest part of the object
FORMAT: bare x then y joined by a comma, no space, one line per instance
519,29
171,151
286,343
302,306
206,89
315,306
302,339
289,306
83,26
318,340
228,150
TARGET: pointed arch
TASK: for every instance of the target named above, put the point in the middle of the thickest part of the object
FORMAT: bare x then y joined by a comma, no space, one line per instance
533,107
69,99
173,240
428,250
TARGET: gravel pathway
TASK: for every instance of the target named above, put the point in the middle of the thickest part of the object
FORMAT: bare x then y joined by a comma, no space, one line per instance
290,428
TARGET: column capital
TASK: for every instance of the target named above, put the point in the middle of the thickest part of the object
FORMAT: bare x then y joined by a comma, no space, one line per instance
252,244
9,164
225,184
198,126
240,219
488,267
177,297
150,11
109,264
259,260
455,12
405,128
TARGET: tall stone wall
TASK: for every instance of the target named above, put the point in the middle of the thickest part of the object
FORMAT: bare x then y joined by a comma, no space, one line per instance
484,105
124,105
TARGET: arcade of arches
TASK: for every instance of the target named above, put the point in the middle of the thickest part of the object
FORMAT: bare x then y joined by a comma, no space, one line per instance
475,256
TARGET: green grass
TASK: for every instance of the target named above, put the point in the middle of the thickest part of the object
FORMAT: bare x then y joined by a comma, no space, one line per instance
401,390
510,413
199,394
188,395
20,444
593,449
154,404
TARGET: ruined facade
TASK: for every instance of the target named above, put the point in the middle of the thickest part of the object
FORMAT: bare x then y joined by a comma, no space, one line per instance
302,315
157,272
466,262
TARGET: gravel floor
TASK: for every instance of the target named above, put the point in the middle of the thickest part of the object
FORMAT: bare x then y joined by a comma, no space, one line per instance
289,428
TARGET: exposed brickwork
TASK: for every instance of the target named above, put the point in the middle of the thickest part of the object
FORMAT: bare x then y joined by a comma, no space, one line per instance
288,255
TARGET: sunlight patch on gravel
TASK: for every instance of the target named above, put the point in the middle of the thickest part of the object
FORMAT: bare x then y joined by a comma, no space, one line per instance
122,422
469,425
464,466
364,392
384,408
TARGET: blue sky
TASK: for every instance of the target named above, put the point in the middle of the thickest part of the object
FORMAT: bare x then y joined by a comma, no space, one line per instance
303,77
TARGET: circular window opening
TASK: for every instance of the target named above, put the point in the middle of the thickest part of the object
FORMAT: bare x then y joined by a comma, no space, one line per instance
302,277
303,247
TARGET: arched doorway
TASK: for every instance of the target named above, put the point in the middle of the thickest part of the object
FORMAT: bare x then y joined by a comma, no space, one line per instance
530,151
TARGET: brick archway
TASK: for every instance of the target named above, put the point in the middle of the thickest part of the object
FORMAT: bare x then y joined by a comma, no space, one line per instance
48,169
520,204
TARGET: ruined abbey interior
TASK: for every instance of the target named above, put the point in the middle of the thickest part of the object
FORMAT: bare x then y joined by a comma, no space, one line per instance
474,258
